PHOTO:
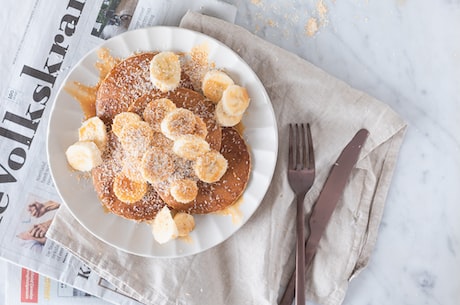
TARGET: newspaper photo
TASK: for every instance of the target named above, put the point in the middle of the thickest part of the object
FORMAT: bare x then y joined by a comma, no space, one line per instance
46,41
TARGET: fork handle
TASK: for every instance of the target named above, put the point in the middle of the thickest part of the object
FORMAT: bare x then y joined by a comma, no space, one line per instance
289,292
300,252
296,277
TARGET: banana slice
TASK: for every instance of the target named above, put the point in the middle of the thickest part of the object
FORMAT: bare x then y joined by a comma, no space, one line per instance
190,146
93,129
127,190
214,84
164,227
178,122
161,141
122,119
225,119
235,100
185,223
210,167
201,129
136,138
183,190
156,110
165,71
157,165
83,155
131,168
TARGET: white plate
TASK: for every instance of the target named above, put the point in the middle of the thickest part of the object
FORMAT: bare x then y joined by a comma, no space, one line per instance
78,194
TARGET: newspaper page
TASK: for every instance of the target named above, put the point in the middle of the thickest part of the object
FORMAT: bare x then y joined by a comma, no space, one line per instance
41,42
27,287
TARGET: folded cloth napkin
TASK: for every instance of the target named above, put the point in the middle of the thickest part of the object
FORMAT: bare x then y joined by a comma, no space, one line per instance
254,265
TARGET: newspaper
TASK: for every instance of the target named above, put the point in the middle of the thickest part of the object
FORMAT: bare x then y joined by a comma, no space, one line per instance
25,287
47,40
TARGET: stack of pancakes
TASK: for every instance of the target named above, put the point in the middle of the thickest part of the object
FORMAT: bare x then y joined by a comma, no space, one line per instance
128,88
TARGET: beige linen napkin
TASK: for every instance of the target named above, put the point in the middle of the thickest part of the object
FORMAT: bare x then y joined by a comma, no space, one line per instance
254,265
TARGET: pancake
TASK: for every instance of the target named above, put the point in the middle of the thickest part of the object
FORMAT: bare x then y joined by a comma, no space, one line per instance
103,177
216,196
126,82
127,87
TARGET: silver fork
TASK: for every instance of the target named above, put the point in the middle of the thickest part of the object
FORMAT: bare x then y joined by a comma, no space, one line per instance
301,174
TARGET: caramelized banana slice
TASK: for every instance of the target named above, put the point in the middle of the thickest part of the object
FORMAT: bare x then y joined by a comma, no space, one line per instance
185,223
235,100
164,227
183,190
190,146
94,130
123,119
156,110
127,190
214,84
225,119
131,168
161,141
200,128
136,138
157,165
165,71
210,167
178,122
83,155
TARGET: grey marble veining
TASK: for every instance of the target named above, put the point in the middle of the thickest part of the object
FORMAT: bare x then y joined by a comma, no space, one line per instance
407,54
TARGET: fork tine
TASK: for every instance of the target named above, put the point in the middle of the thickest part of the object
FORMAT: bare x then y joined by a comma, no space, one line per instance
291,148
303,146
311,155
297,147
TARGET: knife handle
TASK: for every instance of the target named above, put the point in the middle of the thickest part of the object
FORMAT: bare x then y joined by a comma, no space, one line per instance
288,295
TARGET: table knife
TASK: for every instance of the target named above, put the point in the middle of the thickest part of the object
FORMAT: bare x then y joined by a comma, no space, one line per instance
326,203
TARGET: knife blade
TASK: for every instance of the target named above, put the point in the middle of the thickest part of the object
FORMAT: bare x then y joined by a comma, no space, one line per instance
327,202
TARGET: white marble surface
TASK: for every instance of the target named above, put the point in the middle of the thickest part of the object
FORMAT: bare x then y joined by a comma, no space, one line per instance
407,54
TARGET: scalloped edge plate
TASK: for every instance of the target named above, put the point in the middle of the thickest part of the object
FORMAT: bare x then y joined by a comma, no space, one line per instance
260,132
